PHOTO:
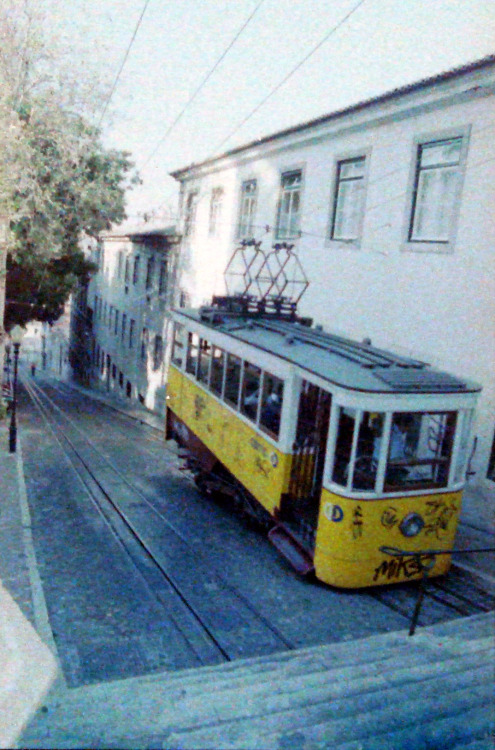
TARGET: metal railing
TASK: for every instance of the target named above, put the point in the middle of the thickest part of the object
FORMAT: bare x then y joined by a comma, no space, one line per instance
425,560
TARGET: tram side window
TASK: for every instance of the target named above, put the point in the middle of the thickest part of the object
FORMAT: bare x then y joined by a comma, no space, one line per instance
204,361
271,404
343,447
420,450
232,380
250,391
368,450
216,374
192,353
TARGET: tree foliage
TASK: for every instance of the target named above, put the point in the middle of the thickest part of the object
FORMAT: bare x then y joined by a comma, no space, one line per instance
57,181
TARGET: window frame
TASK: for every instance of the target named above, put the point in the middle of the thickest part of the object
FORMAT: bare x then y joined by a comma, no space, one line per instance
163,277
135,270
411,244
150,273
281,192
249,233
215,213
158,352
190,212
341,159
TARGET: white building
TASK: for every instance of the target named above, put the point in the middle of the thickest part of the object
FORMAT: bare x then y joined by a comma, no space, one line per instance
121,325
389,204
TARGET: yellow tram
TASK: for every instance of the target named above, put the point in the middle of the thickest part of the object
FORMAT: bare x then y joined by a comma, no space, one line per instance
343,447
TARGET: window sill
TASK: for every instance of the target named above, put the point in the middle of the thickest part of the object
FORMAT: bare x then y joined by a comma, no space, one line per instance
428,246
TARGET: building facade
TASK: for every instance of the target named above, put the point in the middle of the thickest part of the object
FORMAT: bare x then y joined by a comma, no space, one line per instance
389,205
121,322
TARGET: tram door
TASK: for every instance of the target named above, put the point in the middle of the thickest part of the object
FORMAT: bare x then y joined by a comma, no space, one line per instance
301,504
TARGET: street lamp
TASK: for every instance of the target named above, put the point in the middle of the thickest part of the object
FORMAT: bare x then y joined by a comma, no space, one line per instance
16,335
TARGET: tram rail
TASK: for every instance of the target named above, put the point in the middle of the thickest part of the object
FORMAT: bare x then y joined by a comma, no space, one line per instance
110,510
460,592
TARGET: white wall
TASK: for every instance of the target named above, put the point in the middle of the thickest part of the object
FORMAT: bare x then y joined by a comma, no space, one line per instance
439,307
145,307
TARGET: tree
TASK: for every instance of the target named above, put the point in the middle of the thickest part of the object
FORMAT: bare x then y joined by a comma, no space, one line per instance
57,181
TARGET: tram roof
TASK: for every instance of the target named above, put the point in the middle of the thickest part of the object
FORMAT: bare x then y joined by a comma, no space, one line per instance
339,360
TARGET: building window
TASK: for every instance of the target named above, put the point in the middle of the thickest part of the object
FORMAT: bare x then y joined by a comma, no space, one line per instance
124,323
215,211
158,353
116,323
127,273
348,200
435,191
110,317
132,329
150,272
162,277
120,261
289,207
247,212
144,343
135,273
190,214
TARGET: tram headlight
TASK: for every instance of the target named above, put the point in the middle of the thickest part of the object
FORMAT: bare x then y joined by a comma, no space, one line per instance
411,524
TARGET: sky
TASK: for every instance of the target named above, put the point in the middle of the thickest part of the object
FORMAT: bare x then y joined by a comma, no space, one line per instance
367,47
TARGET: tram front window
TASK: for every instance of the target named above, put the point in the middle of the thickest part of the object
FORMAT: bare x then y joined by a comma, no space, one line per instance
420,450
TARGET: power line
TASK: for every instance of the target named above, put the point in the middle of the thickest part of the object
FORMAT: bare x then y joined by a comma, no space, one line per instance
291,73
202,84
123,62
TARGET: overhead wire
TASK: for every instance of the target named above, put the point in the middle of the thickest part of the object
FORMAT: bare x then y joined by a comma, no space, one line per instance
291,73
203,83
126,55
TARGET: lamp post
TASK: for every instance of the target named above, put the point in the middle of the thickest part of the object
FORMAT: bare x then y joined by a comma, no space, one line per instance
16,335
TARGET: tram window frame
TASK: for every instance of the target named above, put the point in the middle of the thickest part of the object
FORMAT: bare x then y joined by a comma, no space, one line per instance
272,399
250,401
461,450
344,447
230,392
371,428
407,473
204,358
177,356
217,370
192,353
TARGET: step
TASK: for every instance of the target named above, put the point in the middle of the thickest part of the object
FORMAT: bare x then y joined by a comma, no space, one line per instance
290,548
473,726
236,732
314,658
430,653
163,709
392,727
305,661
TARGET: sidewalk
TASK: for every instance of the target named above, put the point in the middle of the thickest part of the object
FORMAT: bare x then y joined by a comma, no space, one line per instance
28,666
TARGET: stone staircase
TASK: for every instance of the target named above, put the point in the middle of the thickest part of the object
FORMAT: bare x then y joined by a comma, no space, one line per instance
386,692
